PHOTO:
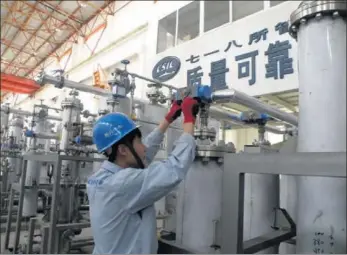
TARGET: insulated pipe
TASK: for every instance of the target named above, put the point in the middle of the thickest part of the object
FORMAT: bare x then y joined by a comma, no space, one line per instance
245,99
320,29
231,118
232,95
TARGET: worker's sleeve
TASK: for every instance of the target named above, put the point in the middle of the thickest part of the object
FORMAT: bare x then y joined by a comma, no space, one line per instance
145,187
152,143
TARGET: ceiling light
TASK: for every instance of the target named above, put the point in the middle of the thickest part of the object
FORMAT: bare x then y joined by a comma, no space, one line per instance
82,4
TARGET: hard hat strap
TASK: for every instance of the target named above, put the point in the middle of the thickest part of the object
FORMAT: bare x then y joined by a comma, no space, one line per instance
137,158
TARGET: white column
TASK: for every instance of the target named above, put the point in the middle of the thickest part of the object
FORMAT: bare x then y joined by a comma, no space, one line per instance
321,224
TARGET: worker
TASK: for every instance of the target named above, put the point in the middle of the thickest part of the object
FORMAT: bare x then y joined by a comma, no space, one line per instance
123,192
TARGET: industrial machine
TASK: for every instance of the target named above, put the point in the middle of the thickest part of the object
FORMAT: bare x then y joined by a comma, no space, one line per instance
269,198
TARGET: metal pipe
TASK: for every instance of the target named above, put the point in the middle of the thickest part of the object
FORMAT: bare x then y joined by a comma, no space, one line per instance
25,113
54,208
48,79
75,244
20,207
72,225
29,247
9,221
44,240
153,81
224,115
232,95
40,135
154,123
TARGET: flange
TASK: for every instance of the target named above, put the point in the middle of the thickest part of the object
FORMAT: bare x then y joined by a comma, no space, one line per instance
315,9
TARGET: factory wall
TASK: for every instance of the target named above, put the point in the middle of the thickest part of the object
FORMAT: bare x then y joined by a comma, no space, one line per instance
241,49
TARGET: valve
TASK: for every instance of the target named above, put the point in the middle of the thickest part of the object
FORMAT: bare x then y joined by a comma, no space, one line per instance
251,117
200,92
155,95
120,83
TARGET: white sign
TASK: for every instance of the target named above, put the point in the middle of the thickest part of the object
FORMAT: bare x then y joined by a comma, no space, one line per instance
255,55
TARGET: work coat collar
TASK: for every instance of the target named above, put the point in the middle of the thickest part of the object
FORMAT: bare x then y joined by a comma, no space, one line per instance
108,166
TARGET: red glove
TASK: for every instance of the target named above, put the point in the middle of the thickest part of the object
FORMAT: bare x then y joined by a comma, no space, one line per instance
190,108
174,113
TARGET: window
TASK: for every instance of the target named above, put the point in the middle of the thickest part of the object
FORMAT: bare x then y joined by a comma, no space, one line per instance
242,9
166,32
216,14
274,3
188,22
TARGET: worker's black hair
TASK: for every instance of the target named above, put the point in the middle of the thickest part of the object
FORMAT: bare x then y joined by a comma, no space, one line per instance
128,139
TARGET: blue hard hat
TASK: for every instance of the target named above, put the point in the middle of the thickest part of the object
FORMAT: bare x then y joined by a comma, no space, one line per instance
111,128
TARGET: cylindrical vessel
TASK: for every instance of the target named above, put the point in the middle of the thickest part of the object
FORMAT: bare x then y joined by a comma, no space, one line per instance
33,172
16,137
4,120
261,196
30,195
199,206
72,108
321,224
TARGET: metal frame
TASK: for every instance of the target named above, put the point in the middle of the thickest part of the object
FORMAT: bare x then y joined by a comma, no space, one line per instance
328,164
56,159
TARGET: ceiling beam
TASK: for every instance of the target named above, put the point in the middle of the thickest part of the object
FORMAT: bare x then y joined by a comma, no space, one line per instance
25,23
54,50
60,45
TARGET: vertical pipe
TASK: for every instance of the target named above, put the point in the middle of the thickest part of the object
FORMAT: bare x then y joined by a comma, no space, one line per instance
54,207
20,207
321,224
44,240
9,219
29,248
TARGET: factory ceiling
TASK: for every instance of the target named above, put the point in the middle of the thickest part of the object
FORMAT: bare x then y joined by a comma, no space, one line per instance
36,33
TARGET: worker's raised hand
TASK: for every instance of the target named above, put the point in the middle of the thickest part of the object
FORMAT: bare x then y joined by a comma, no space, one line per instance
174,113
190,108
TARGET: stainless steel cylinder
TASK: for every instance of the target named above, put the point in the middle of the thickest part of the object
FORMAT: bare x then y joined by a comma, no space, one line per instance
15,133
199,207
33,171
320,29
72,108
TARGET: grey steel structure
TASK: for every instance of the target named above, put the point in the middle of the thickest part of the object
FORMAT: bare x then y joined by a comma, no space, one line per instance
320,30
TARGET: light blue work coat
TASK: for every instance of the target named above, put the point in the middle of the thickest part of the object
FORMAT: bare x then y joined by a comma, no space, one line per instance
116,196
